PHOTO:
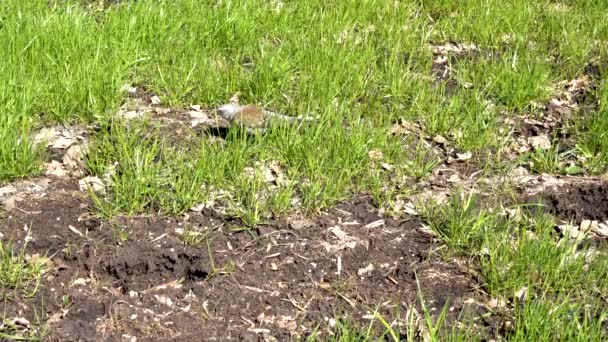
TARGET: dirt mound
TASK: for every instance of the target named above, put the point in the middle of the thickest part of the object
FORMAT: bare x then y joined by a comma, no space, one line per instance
577,202
137,277
141,265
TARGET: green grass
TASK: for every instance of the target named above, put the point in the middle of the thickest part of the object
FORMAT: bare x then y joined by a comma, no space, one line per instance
20,278
67,62
18,275
593,130
563,277
64,61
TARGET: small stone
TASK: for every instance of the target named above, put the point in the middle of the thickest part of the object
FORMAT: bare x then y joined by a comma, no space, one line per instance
387,166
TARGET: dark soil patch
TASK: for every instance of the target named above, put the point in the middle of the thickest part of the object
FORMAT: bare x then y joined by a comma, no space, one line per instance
135,277
577,202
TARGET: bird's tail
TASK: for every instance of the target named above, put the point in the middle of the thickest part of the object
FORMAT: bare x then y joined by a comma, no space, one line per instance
288,118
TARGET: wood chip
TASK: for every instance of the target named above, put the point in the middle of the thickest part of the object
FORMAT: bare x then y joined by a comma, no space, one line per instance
374,224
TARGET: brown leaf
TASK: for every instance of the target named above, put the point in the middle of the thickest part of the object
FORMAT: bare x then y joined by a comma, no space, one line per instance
375,155
155,100
440,140
235,97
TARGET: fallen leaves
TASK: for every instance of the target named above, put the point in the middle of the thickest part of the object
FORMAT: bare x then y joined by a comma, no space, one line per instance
540,142
342,240
584,229
91,183
299,224
375,155
404,127
453,48
60,137
366,271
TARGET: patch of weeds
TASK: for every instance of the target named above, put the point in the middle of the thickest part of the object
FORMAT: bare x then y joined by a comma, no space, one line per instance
18,329
561,317
19,272
413,326
143,173
527,253
345,330
520,255
512,81
552,160
227,269
433,326
194,237
250,199
592,133
121,234
391,178
421,163
19,157
461,223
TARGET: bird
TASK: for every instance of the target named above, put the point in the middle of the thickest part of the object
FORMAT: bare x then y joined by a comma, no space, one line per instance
252,117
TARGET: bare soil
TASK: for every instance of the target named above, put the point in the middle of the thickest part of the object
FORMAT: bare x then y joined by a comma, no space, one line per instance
135,277
576,201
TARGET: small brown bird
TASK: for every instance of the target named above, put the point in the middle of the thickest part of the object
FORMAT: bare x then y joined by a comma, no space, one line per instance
251,116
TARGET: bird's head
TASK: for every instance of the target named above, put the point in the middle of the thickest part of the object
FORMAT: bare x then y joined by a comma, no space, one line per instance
229,111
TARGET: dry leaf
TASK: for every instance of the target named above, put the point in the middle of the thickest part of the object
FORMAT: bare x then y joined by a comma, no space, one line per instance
496,303
374,224
365,271
235,97
164,300
540,142
63,142
440,140
405,127
275,166
343,240
601,229
55,168
197,114
46,134
155,100
464,156
375,155
301,224
587,225
91,182
79,282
